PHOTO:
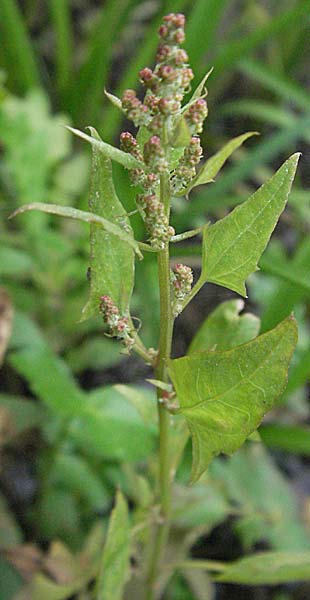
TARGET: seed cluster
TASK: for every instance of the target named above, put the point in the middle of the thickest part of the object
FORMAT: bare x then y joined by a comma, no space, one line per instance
156,221
185,171
119,326
181,279
159,113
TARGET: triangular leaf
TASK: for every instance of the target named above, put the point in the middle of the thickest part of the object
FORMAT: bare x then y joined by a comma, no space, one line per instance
233,245
225,328
111,259
224,395
115,561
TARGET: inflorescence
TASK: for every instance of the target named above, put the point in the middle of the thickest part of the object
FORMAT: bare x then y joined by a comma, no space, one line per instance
158,118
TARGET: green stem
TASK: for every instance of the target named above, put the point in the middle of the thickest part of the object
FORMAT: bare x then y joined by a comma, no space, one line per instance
165,340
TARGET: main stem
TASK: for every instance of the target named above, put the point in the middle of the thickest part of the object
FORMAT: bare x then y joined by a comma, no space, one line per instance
165,339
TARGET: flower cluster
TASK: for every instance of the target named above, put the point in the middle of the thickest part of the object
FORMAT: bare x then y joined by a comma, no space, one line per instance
148,180
155,219
137,112
195,115
167,84
185,171
160,113
181,282
154,155
118,325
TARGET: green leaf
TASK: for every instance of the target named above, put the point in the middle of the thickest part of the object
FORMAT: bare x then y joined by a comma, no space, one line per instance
70,472
25,414
290,438
180,135
200,89
111,428
127,160
115,560
111,260
80,215
268,568
233,245
224,328
211,167
50,379
224,395
96,352
272,517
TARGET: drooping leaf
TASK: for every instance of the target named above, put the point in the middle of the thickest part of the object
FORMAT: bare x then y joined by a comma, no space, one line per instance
268,568
233,245
115,560
211,167
224,395
111,260
80,215
224,328
127,160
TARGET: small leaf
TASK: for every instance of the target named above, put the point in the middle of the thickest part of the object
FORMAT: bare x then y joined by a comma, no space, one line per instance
113,99
211,167
111,260
224,395
124,158
224,328
80,215
115,561
180,135
233,245
268,568
200,88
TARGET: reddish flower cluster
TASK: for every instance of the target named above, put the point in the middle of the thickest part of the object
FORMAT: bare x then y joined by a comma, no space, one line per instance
134,109
196,115
118,325
181,283
186,171
156,222
130,144
159,112
154,155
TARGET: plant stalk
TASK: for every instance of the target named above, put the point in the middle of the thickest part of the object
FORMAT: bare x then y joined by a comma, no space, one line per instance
165,340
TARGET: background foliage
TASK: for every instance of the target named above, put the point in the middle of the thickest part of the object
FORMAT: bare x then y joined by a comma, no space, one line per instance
76,425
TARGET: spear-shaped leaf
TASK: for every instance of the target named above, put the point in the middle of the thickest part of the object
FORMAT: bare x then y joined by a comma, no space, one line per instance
224,395
115,561
111,259
232,246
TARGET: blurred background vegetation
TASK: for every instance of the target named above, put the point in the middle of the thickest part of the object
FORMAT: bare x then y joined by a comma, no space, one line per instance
68,436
